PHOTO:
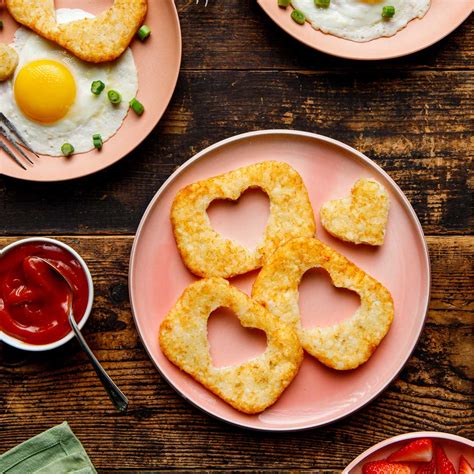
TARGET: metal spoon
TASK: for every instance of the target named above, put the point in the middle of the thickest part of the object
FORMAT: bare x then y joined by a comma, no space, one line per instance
118,398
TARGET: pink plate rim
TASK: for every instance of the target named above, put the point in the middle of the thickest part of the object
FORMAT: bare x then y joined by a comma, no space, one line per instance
405,437
333,49
244,136
131,144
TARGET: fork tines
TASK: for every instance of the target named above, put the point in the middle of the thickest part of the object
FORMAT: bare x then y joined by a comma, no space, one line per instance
13,137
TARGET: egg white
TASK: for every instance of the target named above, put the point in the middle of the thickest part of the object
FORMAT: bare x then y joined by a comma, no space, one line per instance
89,114
361,20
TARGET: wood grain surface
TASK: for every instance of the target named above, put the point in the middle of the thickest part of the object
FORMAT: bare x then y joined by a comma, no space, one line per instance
162,431
413,116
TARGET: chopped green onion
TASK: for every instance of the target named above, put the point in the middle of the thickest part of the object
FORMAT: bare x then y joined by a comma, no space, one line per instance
97,87
283,3
137,106
67,149
322,3
97,141
114,97
388,12
144,32
298,16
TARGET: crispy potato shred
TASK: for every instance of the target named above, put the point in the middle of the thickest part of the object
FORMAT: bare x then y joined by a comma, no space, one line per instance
250,387
341,346
100,39
360,218
205,252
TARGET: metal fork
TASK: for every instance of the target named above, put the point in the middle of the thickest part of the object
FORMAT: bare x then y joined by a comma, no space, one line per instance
12,136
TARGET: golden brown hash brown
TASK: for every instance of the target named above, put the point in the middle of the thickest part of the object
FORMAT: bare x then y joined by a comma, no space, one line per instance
100,39
360,218
205,252
250,387
342,346
8,61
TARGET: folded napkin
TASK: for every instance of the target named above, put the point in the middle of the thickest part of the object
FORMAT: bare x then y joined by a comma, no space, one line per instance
56,451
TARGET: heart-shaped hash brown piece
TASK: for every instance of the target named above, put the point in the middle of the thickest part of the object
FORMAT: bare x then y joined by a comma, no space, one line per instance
342,346
250,387
205,252
38,15
360,218
8,61
100,39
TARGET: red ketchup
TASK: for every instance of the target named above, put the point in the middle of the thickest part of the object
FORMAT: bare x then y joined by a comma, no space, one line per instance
33,300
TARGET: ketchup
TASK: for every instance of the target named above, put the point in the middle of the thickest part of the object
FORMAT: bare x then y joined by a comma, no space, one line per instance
33,299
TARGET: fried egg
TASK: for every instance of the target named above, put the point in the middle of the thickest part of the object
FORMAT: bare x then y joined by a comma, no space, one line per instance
361,20
49,98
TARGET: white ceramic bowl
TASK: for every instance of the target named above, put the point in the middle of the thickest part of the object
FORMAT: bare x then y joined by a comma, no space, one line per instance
12,341
453,444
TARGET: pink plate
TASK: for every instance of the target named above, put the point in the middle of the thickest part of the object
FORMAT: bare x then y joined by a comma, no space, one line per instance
454,446
317,395
158,60
443,17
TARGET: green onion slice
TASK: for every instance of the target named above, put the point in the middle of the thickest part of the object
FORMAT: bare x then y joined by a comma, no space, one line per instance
298,16
97,141
388,12
67,149
322,3
114,97
144,32
137,106
97,87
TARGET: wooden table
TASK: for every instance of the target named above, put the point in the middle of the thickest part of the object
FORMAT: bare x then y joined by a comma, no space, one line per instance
240,73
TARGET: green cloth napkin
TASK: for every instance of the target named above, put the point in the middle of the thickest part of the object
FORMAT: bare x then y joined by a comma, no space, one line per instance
55,451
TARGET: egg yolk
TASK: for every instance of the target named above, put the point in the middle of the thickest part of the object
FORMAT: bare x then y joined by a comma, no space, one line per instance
45,90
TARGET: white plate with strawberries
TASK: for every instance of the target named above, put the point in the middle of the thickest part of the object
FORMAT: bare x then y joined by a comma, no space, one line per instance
425,452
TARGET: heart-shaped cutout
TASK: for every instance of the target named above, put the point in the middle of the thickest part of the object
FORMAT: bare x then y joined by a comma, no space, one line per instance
228,218
207,253
251,386
344,345
229,342
321,304
360,218
100,39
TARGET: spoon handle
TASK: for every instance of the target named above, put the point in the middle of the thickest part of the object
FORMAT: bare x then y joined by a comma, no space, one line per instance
118,398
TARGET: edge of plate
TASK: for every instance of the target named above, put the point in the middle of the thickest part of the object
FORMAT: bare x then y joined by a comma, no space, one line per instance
138,143
244,136
355,58
404,437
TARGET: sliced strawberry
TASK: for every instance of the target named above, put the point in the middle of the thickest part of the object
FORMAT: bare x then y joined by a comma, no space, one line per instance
384,467
427,468
464,466
420,450
443,464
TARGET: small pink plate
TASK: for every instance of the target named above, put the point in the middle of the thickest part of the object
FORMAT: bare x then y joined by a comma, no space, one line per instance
317,395
158,60
453,445
443,17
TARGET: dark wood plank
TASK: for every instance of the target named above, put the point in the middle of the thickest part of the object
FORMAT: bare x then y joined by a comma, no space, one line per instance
162,431
237,34
416,124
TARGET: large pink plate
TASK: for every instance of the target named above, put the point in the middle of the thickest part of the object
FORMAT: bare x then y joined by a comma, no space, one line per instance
443,17
158,61
317,395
